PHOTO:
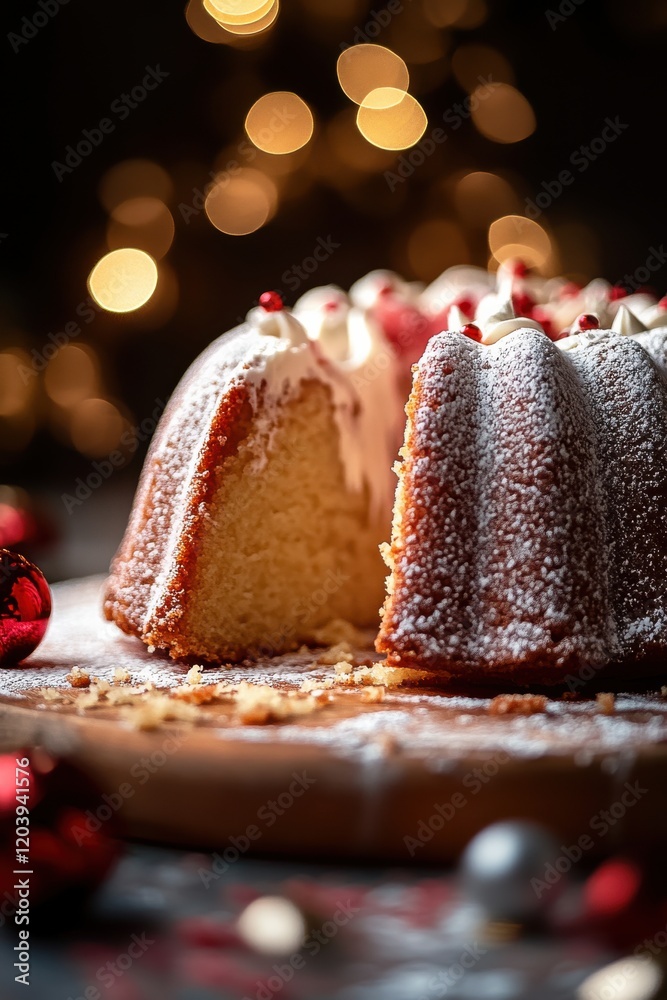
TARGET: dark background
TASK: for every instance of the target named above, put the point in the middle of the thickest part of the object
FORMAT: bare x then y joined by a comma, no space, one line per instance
603,60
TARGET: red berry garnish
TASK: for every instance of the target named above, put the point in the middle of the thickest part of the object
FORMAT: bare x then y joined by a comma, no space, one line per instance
569,290
523,304
587,321
271,302
331,305
386,289
662,304
617,292
519,269
473,331
467,306
542,317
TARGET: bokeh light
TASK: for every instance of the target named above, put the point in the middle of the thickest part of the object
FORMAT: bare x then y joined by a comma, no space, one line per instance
245,24
444,13
473,64
480,197
280,122
272,925
242,203
347,145
240,9
145,223
516,236
435,245
204,25
132,178
391,119
96,427
72,375
15,385
363,68
123,280
501,113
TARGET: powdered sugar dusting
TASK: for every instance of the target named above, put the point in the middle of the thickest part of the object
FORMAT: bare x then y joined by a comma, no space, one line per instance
518,540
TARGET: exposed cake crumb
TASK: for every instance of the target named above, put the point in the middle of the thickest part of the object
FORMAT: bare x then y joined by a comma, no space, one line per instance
606,702
78,678
339,631
335,654
121,676
158,708
313,684
391,677
51,694
342,667
197,694
518,704
194,675
373,694
101,685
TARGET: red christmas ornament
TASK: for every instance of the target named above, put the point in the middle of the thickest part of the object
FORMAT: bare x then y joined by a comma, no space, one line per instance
473,331
617,292
25,607
271,302
587,321
612,888
70,834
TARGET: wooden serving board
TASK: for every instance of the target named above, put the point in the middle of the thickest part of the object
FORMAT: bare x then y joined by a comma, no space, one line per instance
411,777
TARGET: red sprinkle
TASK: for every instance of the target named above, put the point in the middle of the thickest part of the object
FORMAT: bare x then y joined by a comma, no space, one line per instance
331,305
386,289
617,292
271,302
587,321
473,331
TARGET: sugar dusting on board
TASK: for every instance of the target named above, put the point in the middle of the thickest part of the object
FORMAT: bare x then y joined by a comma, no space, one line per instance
427,725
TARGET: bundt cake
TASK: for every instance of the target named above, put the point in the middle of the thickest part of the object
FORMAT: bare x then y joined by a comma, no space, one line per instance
263,500
529,534
530,538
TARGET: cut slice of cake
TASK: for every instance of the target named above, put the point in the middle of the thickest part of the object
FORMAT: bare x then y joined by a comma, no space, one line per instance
256,519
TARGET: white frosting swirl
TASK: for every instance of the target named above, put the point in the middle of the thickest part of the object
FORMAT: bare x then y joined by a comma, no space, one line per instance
626,323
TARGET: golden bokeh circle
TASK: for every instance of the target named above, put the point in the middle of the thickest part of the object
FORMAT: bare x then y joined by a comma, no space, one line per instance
242,203
279,122
123,280
391,119
365,68
501,113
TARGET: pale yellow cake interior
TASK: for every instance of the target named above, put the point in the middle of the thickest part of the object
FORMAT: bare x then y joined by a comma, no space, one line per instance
288,547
